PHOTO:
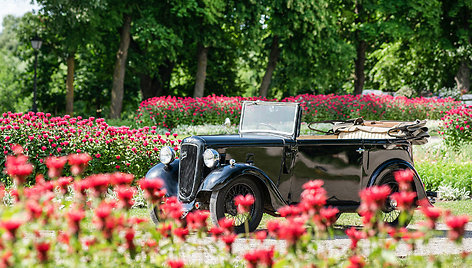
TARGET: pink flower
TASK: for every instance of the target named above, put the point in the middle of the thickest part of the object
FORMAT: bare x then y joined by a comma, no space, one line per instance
404,199
42,248
11,226
176,263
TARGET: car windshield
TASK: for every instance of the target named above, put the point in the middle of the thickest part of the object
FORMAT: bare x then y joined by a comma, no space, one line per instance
275,117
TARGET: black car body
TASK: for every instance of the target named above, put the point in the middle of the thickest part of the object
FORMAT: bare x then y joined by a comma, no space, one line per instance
272,165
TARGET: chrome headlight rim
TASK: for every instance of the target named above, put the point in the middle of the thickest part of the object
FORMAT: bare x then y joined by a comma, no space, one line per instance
166,155
211,158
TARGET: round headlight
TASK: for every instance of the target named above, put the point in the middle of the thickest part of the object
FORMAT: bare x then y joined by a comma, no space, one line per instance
211,158
166,155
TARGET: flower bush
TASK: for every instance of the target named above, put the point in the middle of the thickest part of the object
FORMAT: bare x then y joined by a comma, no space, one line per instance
168,112
110,148
69,221
456,126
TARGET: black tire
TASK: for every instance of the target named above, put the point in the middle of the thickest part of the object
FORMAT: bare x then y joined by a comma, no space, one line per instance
222,204
154,216
391,215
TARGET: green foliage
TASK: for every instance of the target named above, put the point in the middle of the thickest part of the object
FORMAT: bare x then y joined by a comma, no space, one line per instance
436,174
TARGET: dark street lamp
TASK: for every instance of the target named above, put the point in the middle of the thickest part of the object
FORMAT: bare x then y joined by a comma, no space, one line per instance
36,43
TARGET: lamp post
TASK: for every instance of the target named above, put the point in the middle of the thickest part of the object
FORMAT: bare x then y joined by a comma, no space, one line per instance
36,43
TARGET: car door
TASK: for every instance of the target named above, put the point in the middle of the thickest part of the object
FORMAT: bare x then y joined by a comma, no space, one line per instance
337,163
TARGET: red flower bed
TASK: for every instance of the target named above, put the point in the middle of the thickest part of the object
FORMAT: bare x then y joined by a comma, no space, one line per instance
109,148
169,111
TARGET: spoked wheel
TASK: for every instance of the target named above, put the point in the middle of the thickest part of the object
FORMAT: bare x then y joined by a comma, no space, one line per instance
222,204
391,214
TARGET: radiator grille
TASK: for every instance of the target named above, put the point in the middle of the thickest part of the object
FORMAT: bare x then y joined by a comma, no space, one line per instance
187,170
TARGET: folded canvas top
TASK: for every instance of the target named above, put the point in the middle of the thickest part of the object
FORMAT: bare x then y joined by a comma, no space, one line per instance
416,132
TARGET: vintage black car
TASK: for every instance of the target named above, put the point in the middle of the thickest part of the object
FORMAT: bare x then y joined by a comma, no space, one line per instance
271,160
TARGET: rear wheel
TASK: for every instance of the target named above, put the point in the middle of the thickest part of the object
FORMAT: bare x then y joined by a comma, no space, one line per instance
222,204
390,213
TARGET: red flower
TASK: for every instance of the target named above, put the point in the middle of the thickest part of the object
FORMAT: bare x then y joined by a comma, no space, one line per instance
42,248
172,208
153,189
226,224
373,198
181,233
404,199
457,225
291,231
197,220
260,235
290,211
356,261
176,263
18,167
165,229
216,231
260,256
74,217
329,215
34,209
355,236
125,194
11,226
244,203
55,165
78,163
404,179
119,178
99,182
63,182
273,226
432,214
229,239
313,185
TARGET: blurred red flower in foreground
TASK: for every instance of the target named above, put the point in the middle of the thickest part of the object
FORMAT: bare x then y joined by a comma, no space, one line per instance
176,263
260,256
244,203
18,167
373,198
78,163
55,165
457,225
404,179
11,226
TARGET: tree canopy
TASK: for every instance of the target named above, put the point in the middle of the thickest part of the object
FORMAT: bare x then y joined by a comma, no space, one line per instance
102,57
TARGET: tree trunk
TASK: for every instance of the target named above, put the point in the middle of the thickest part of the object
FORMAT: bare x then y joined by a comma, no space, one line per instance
273,58
463,77
120,68
70,84
157,86
201,71
359,77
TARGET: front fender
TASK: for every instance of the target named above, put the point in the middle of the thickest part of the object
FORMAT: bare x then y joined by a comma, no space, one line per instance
420,191
219,178
169,174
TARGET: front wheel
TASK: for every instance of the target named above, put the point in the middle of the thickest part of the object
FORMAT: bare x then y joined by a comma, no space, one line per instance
222,204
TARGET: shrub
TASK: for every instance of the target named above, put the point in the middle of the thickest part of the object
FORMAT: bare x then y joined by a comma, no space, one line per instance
449,193
170,111
441,173
46,226
456,126
111,148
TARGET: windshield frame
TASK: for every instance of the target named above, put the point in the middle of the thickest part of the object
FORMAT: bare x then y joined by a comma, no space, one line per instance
270,131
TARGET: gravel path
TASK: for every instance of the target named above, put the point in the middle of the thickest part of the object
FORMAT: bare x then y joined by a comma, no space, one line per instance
336,246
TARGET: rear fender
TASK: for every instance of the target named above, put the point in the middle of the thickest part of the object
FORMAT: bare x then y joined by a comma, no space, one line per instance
419,186
219,178
167,173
